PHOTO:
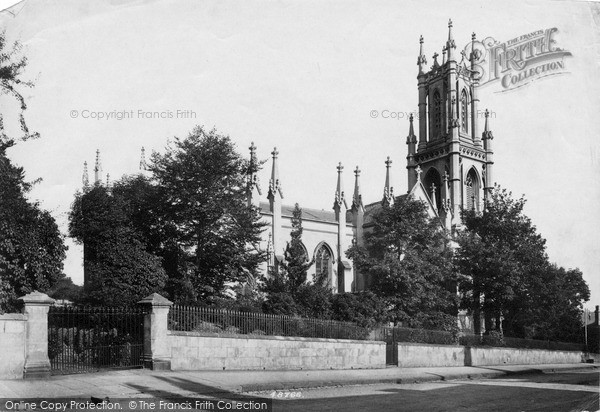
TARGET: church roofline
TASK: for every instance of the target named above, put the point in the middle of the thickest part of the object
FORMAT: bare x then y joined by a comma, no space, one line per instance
308,214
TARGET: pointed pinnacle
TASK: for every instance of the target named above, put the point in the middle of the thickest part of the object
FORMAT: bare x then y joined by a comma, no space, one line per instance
450,44
487,133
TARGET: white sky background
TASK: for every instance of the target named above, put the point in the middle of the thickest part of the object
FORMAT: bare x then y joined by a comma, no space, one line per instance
304,76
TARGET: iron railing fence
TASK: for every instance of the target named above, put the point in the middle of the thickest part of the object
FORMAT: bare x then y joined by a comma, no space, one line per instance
222,321
211,320
402,334
85,339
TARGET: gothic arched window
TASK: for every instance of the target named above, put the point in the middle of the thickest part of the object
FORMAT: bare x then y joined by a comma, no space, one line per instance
472,190
464,111
437,115
323,263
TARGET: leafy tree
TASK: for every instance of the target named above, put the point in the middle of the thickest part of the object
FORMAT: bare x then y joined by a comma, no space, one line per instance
508,275
364,308
66,289
118,269
31,247
202,183
314,299
145,211
280,303
407,261
12,66
497,252
558,306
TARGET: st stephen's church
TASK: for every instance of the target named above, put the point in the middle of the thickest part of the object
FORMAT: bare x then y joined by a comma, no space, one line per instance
449,167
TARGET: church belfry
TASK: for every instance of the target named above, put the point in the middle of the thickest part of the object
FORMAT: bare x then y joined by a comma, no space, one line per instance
449,151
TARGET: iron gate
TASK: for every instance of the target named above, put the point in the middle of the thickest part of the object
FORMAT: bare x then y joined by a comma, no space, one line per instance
391,346
389,335
86,339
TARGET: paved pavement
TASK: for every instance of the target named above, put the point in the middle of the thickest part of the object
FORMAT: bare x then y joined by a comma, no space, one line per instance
142,383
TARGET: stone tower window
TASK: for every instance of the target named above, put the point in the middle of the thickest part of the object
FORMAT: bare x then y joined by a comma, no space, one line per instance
472,190
464,112
437,115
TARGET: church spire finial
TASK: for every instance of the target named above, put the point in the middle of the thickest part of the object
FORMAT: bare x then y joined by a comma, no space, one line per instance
143,164
435,62
388,190
357,196
98,168
339,168
474,56
85,179
411,138
450,44
421,60
252,171
252,153
487,133
252,182
108,185
339,191
274,182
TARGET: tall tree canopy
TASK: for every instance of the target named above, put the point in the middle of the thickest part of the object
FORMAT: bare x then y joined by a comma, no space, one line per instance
118,269
202,181
406,260
32,249
508,275
12,65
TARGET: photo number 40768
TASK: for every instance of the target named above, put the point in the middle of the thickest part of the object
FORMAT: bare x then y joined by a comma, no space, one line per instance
286,394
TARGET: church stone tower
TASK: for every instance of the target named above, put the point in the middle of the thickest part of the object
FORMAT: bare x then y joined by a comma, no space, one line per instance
449,157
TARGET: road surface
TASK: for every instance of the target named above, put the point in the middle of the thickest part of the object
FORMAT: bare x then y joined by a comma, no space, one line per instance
568,391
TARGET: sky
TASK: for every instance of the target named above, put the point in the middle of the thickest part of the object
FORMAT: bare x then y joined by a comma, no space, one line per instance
304,76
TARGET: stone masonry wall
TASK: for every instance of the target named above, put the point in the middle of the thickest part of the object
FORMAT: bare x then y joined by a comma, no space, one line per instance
412,355
422,355
511,356
198,351
12,345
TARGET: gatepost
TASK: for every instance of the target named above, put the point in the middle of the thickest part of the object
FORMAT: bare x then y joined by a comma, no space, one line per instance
157,353
37,363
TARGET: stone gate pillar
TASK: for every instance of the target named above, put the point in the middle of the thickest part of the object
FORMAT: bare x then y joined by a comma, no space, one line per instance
37,363
157,352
